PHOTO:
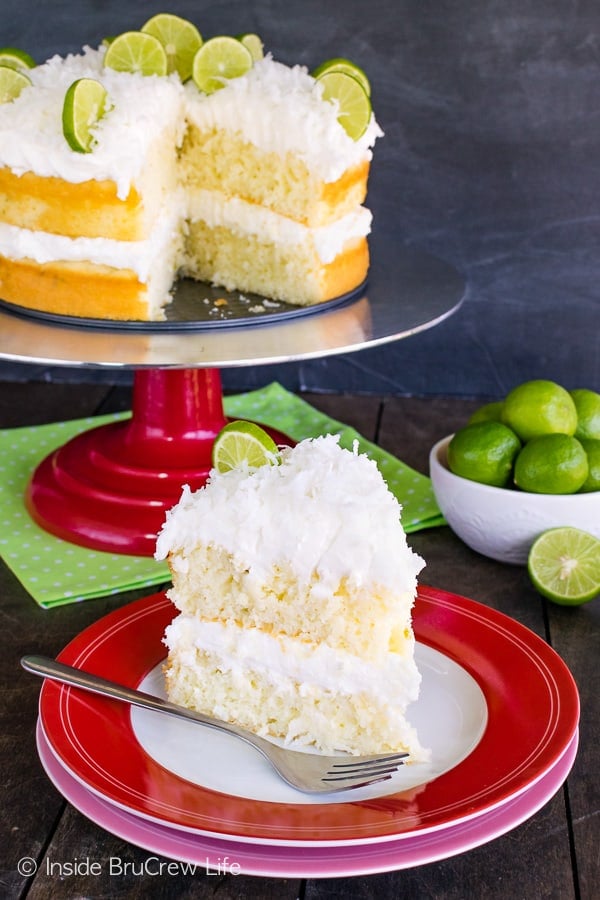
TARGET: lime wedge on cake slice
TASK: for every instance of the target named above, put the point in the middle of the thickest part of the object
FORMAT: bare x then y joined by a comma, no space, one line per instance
180,38
243,444
16,59
134,51
564,565
83,107
218,60
12,83
340,64
353,101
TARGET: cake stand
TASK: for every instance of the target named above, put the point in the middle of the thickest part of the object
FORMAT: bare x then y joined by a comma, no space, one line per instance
109,488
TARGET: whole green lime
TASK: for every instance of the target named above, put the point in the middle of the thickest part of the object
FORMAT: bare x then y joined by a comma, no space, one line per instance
539,407
489,412
484,452
592,449
587,404
551,464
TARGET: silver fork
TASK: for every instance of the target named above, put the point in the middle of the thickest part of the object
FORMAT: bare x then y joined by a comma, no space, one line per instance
308,772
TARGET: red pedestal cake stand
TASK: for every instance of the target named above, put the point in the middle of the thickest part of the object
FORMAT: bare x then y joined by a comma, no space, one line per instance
109,488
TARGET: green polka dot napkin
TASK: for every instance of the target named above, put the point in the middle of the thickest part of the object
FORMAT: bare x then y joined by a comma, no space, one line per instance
56,572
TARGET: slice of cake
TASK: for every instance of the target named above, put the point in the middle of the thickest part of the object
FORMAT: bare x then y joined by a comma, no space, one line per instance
295,586
256,187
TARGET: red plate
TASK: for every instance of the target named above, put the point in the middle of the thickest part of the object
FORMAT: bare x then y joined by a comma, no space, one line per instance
533,713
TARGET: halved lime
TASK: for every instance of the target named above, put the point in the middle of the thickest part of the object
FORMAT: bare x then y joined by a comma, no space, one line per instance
243,444
15,58
354,104
339,64
134,51
84,105
12,83
254,45
218,60
564,565
180,38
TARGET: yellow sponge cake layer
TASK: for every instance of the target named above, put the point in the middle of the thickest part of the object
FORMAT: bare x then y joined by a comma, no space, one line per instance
247,263
74,289
221,161
83,209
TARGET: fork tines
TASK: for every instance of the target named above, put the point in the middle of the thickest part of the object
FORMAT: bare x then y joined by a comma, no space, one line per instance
371,767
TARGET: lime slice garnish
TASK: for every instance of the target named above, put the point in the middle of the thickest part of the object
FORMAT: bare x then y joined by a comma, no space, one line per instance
15,58
339,64
84,105
243,444
134,51
253,44
564,565
218,60
12,83
354,104
180,38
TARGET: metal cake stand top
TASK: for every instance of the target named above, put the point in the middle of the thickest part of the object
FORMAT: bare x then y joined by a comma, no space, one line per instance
408,293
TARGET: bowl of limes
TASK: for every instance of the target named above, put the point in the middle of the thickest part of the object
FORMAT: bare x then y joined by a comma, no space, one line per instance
520,466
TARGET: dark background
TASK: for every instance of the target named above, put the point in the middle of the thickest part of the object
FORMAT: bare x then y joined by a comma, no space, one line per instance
491,161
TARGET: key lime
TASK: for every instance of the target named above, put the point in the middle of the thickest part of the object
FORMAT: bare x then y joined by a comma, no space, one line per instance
587,404
254,44
484,452
16,59
539,407
218,60
134,51
180,38
243,444
354,106
12,83
592,450
551,464
339,64
83,107
564,565
489,412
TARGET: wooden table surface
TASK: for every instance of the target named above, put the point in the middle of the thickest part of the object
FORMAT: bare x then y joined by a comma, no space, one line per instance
555,854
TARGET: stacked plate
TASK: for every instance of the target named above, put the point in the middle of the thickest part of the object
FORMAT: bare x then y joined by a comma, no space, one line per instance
498,708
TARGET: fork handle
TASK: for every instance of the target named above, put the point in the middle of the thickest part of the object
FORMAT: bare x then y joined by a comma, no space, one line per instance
57,671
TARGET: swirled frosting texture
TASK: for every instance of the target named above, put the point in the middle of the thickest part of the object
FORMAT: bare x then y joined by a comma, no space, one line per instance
324,509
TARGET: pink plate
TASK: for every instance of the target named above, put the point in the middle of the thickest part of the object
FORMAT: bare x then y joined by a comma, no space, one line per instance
532,716
219,856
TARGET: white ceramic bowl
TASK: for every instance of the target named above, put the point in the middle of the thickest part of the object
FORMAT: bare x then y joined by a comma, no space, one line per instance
500,522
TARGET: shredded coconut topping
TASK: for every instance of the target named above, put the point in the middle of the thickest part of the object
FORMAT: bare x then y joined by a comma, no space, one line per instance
324,509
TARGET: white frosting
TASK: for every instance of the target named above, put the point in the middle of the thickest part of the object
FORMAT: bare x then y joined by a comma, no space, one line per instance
280,109
140,109
216,209
323,509
139,256
394,681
